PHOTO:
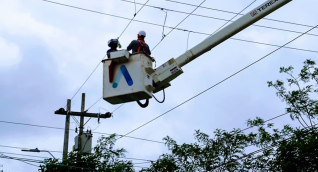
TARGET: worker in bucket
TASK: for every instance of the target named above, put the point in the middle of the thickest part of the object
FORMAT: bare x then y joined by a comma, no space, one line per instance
139,45
113,44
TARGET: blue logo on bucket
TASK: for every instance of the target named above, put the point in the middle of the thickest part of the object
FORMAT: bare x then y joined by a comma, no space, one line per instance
123,72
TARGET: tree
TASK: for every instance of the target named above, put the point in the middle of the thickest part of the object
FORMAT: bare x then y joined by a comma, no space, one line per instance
104,159
288,149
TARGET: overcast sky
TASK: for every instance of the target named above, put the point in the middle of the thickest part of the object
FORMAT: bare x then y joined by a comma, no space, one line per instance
47,51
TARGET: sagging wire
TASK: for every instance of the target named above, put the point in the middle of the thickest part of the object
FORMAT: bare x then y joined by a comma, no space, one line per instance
118,108
164,97
180,23
164,23
188,40
219,82
135,7
132,19
232,18
143,105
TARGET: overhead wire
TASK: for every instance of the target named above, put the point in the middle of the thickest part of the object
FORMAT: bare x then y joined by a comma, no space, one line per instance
220,82
13,147
264,149
133,18
60,128
233,17
147,161
225,11
179,24
103,57
188,40
217,18
41,126
164,23
180,29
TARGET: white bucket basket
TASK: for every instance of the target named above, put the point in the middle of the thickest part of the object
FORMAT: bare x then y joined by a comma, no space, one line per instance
127,78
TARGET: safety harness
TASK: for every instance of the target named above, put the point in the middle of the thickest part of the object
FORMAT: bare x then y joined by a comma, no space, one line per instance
142,44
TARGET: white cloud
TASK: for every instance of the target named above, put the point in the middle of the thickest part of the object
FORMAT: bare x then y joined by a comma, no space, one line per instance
10,53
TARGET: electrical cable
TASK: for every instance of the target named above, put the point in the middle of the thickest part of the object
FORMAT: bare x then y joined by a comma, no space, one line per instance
132,19
179,23
216,18
87,77
233,17
164,97
281,21
147,161
30,164
164,23
69,152
263,149
25,155
219,82
32,125
94,103
180,29
143,105
103,57
135,6
59,128
188,40
118,108
42,162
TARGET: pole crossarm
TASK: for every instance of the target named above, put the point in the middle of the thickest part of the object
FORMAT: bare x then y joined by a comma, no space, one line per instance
62,111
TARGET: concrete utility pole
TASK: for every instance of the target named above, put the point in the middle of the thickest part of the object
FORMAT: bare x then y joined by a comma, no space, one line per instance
82,115
66,132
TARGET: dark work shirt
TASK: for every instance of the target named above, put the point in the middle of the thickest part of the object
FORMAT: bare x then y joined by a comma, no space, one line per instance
134,45
109,51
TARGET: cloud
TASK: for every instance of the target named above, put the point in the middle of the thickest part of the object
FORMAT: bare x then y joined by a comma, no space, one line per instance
10,53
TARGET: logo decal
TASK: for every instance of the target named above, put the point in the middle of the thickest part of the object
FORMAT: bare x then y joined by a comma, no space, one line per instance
123,72
254,13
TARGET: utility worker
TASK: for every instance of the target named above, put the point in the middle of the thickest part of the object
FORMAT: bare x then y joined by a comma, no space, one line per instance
139,45
113,44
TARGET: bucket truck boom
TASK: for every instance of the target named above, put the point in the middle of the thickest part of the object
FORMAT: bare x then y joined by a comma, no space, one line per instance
141,80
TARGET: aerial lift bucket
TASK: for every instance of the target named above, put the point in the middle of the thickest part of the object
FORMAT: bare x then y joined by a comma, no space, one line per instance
127,77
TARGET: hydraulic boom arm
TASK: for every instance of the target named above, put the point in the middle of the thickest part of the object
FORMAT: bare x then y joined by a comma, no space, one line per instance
172,69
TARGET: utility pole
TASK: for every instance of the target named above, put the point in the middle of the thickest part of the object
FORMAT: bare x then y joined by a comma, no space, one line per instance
82,115
67,129
81,127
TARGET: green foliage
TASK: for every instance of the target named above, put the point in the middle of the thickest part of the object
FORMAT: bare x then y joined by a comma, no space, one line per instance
104,159
286,149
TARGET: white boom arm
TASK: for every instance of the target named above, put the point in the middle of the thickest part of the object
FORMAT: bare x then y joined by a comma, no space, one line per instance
232,29
169,70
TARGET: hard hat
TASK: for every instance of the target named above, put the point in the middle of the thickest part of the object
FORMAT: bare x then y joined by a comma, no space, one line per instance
113,41
142,33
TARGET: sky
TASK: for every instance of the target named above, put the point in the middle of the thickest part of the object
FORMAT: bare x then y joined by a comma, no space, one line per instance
47,51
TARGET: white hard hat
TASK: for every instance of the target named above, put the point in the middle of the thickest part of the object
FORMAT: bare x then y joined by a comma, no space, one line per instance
142,33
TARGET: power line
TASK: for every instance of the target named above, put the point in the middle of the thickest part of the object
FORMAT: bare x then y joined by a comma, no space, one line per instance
178,24
222,19
133,18
216,18
13,147
214,9
24,155
219,82
180,29
147,161
60,128
263,149
233,17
